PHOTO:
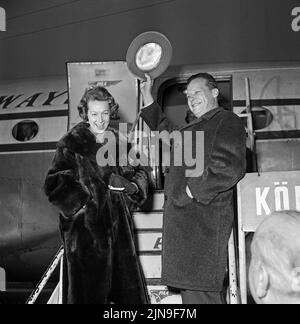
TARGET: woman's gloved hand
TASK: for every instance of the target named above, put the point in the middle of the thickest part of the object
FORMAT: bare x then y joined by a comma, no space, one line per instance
119,183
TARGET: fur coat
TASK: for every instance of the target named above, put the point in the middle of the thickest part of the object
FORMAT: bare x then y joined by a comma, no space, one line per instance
101,265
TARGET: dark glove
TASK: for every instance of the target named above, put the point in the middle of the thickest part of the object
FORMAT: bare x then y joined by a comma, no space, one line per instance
119,183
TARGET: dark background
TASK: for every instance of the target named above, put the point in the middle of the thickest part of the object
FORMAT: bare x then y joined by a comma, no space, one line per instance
42,35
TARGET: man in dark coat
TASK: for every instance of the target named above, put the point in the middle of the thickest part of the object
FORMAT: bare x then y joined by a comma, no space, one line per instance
198,215
102,265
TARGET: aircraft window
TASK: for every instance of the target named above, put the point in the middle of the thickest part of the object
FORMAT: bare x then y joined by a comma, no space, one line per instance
25,130
262,117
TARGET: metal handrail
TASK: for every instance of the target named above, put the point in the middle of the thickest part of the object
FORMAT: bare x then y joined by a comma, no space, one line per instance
45,278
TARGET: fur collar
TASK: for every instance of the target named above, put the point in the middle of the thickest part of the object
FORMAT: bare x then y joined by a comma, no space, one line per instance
81,140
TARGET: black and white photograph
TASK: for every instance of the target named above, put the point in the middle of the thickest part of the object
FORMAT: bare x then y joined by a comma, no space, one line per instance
149,154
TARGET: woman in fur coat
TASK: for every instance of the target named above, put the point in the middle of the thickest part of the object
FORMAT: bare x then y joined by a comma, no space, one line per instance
101,265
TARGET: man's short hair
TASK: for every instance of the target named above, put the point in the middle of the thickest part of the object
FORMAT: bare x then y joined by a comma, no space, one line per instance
211,81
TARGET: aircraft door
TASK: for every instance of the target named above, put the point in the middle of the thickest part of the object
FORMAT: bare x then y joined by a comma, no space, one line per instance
171,97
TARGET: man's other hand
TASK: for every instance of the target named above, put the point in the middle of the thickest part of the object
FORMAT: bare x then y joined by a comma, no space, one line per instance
188,192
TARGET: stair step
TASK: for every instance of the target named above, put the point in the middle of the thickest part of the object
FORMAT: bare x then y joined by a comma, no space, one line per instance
148,221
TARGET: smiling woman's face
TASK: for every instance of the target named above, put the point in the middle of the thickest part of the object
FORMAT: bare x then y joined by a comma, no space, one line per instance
98,115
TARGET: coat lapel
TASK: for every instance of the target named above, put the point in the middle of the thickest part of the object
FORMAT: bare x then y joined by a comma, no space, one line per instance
210,114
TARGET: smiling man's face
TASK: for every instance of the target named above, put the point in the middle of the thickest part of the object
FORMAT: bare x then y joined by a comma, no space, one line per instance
201,98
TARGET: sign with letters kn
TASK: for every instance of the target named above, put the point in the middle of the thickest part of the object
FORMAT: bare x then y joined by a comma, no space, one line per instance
261,194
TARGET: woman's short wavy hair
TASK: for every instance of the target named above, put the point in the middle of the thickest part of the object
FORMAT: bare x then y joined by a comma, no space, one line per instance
97,93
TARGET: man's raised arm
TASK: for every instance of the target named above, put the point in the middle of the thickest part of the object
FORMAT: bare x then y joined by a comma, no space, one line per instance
151,112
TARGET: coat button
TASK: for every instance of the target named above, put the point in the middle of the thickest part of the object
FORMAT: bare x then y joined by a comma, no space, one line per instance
167,170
